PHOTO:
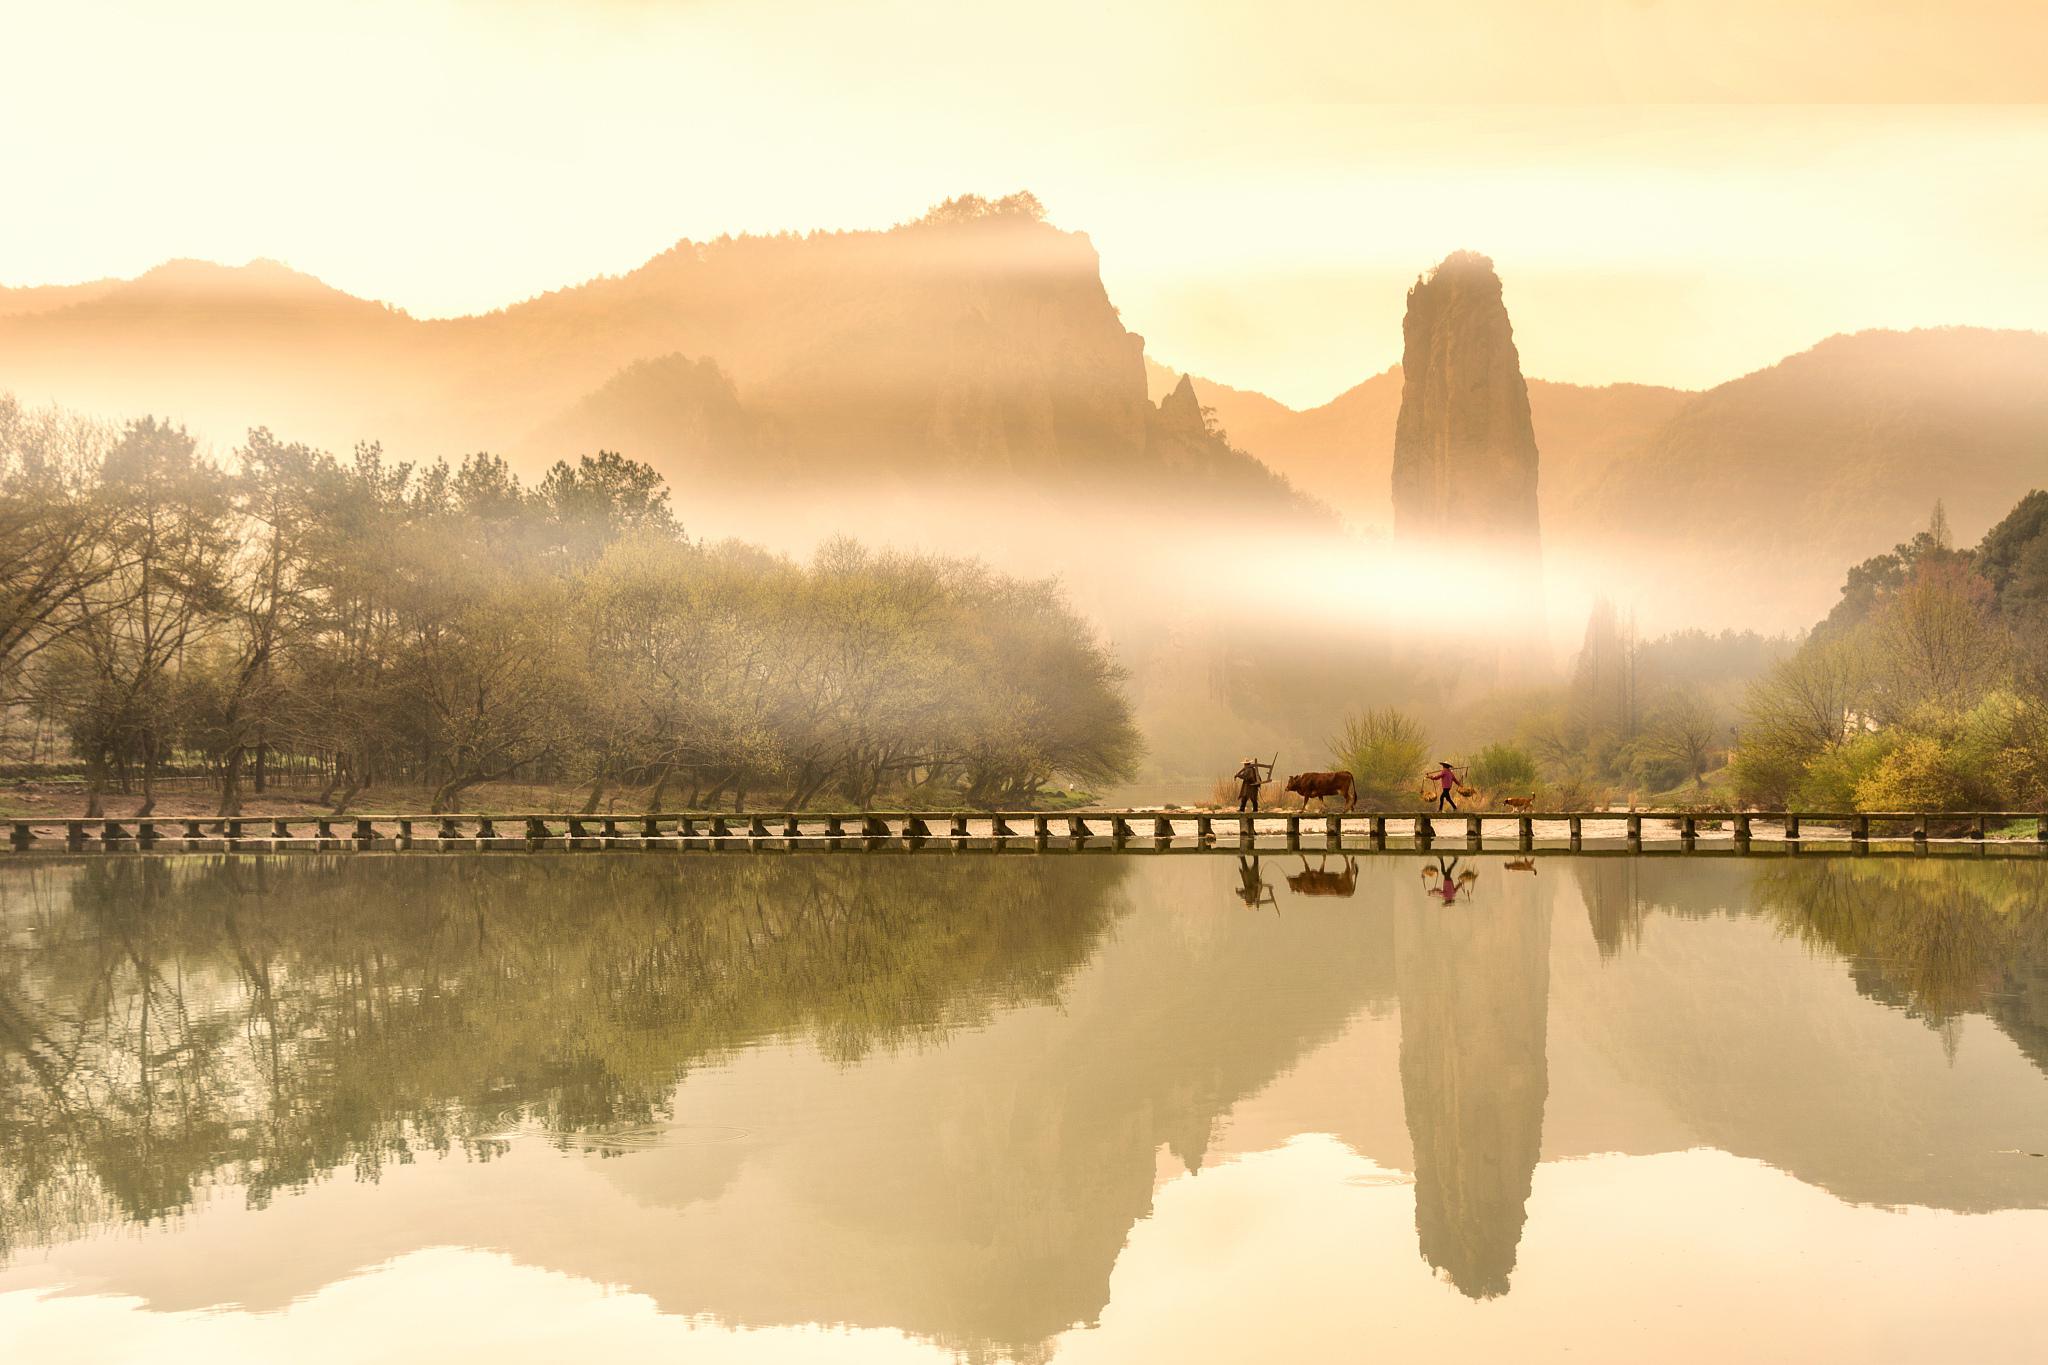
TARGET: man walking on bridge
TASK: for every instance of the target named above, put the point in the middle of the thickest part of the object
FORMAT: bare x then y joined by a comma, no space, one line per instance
1250,778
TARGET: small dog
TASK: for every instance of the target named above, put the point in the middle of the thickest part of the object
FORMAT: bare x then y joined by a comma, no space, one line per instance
1520,803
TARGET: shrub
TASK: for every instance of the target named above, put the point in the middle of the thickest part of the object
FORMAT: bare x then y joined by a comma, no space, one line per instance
1385,751
1832,779
1920,773
1504,770
1765,778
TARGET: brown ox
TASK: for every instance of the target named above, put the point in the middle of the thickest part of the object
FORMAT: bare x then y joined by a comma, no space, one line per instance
1323,786
1320,881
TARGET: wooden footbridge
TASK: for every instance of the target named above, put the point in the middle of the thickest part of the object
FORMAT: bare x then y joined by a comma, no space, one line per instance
1161,828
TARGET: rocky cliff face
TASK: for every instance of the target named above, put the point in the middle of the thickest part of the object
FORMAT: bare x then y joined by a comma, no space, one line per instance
1464,445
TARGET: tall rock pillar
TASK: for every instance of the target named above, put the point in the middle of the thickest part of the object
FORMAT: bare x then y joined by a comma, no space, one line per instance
1464,447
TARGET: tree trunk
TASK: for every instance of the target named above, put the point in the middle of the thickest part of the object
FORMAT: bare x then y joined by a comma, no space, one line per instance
231,784
258,783
333,781
348,793
660,790
148,806
444,798
95,779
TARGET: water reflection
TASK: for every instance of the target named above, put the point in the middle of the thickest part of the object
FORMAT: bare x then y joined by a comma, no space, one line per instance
1322,880
168,1019
1251,883
944,1095
1447,881
1474,990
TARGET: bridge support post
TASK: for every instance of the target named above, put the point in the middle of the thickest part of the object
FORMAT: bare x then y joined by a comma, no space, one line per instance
1162,828
1041,827
23,834
1120,828
1576,827
1000,827
1980,832
1859,832
1791,825
1247,827
959,827
757,826
486,828
1205,827
364,830
1376,828
111,830
2041,829
1425,830
1294,831
1635,830
1742,828
1333,829
1525,831
1473,826
1077,828
1920,832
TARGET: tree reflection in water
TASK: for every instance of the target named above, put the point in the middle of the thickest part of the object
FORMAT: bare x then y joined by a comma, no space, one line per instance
1935,937
166,1023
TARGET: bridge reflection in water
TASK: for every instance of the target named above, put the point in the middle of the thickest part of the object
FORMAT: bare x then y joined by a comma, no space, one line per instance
939,1097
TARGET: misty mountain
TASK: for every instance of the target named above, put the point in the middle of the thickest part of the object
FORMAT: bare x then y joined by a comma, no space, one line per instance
1764,486
1835,454
1343,450
976,342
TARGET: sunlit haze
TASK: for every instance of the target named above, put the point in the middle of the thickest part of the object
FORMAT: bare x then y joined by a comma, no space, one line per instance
1263,182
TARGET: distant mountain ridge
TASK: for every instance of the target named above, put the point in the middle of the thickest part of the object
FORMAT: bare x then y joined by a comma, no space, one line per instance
977,342
1764,486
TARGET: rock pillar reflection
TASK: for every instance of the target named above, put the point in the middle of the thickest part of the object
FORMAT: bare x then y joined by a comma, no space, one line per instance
1474,983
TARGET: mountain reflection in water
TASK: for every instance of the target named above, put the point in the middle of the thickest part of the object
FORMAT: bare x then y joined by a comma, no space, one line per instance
939,1096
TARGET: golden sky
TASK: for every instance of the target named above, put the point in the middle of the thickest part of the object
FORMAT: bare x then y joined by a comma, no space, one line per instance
1675,190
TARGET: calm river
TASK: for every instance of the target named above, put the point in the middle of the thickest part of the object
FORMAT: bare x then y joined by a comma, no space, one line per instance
1110,1108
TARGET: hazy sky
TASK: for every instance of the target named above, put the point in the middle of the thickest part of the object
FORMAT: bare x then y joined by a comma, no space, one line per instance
1263,180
